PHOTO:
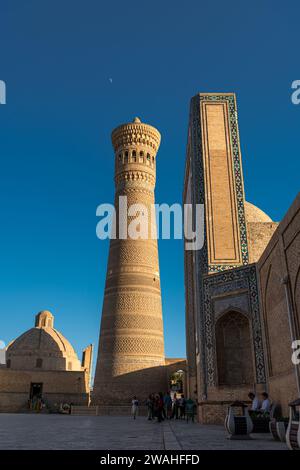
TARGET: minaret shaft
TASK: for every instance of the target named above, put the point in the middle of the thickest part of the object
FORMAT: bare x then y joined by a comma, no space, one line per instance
131,349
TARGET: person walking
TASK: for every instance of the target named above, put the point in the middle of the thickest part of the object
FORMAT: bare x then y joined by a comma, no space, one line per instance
150,407
182,403
175,407
134,407
153,405
163,410
160,406
168,405
156,406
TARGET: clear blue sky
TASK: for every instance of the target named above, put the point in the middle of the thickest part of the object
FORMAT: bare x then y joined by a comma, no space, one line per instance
57,58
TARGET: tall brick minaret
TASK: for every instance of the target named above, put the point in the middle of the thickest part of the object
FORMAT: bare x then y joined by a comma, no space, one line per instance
131,350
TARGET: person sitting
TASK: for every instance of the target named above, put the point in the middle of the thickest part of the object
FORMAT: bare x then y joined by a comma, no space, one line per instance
255,405
266,403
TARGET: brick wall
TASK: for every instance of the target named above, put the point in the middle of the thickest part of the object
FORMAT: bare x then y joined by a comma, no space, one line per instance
58,387
279,268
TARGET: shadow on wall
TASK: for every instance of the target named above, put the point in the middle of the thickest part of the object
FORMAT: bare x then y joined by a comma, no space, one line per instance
141,384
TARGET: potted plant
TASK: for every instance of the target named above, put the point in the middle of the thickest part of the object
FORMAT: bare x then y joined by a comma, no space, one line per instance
261,422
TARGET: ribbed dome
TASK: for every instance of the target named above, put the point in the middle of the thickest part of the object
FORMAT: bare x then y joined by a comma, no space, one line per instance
42,347
254,214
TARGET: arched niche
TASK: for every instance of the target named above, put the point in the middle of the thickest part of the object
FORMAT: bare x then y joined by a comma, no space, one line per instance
234,349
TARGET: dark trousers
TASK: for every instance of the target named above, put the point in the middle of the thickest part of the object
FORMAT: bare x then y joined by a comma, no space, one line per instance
160,415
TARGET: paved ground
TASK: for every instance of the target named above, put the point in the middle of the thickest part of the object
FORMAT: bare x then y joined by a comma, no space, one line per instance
28,431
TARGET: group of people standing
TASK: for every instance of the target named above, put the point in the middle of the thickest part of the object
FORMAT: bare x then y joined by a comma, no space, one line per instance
162,406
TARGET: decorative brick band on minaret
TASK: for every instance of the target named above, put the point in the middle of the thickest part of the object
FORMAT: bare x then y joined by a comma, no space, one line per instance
131,350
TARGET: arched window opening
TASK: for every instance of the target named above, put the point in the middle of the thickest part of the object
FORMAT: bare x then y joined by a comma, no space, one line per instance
176,382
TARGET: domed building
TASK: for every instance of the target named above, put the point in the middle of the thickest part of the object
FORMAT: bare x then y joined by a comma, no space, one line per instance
255,214
43,363
260,229
42,347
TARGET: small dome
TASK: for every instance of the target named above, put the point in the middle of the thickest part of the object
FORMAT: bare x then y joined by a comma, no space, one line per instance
254,214
137,120
43,347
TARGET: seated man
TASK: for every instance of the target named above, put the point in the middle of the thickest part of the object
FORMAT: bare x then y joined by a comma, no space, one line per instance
266,404
255,405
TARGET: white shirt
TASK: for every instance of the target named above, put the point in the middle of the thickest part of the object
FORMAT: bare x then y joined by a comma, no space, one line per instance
255,404
266,405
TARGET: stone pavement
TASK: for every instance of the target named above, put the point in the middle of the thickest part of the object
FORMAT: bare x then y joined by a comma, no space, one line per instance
30,431
211,437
